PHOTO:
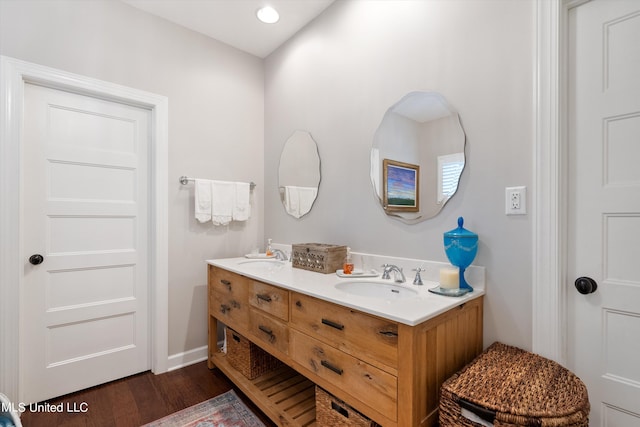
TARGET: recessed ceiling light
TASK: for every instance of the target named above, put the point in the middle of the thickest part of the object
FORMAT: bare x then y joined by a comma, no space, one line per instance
268,15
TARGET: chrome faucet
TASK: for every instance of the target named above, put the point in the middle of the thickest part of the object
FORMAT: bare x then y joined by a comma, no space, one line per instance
388,268
418,280
280,255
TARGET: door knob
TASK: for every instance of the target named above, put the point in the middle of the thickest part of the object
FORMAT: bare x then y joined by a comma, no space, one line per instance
586,285
36,259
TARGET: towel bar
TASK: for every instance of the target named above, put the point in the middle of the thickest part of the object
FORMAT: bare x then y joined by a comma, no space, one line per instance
184,180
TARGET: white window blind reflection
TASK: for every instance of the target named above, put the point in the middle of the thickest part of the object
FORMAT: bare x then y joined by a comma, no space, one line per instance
449,169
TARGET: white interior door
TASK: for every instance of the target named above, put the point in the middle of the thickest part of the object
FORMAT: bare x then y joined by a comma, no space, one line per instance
604,206
84,308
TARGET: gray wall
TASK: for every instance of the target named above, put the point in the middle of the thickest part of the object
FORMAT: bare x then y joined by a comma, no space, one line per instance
336,79
216,114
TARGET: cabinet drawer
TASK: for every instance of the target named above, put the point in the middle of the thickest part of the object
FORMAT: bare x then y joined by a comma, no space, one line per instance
230,310
270,298
271,332
369,338
364,382
229,284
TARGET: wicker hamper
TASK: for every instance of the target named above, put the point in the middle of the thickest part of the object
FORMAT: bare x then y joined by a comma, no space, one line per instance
508,386
248,358
333,412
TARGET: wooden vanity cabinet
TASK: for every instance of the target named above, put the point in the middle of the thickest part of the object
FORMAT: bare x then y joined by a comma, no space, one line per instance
389,371
228,298
272,334
270,299
367,337
346,376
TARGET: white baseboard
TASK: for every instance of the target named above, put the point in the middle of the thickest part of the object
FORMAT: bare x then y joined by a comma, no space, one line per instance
180,360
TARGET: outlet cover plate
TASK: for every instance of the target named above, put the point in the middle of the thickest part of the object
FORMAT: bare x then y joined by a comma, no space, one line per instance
515,199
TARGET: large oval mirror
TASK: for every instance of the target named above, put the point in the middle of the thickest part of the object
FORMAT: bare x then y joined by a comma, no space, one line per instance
417,156
299,174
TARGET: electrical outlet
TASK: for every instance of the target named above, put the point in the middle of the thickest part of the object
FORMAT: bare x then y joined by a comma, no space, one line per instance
515,200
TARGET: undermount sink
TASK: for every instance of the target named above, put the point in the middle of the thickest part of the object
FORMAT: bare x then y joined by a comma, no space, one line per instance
380,290
262,263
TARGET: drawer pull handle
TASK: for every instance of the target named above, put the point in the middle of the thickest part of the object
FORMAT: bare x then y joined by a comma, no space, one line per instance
267,331
235,337
331,367
226,283
332,324
265,298
389,333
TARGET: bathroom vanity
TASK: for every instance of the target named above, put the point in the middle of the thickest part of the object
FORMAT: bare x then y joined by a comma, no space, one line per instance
385,356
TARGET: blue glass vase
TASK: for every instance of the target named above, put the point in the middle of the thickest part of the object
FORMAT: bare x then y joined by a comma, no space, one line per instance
461,247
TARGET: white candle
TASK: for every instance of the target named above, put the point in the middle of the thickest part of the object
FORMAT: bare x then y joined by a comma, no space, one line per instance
449,278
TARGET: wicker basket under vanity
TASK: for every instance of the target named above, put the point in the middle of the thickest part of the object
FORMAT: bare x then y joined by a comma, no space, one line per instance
248,358
333,412
319,257
508,386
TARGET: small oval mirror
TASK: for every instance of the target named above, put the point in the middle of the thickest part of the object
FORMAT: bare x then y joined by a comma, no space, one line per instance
417,156
299,174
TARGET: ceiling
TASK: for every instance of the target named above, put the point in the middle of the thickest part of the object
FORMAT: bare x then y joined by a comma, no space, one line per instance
234,22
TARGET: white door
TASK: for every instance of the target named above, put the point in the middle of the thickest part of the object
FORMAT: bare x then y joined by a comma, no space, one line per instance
604,206
84,310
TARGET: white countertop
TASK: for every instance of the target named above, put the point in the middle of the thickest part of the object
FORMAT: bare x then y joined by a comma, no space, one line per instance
410,310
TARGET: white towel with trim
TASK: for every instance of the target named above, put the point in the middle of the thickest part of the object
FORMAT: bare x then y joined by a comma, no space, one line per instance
203,200
242,206
306,197
223,197
298,200
291,201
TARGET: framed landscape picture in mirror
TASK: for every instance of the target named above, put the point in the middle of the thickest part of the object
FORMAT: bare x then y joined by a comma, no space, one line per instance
401,189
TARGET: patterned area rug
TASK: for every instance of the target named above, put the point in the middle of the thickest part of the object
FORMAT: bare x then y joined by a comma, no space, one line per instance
226,410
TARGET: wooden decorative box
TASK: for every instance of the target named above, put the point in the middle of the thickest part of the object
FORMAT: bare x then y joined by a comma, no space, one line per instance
331,412
319,257
248,358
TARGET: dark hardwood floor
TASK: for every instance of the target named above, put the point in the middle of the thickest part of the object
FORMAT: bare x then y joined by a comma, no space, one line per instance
138,399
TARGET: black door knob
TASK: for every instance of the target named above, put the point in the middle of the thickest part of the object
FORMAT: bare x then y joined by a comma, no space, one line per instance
36,259
586,285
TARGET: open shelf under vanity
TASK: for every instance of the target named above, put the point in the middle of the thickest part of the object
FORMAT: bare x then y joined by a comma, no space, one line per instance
282,394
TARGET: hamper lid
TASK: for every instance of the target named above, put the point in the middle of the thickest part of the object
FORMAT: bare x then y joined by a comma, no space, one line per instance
510,380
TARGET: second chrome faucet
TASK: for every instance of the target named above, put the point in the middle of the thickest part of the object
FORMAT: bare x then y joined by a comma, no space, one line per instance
398,275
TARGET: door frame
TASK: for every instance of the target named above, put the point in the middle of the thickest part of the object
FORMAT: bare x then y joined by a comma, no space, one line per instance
551,167
14,74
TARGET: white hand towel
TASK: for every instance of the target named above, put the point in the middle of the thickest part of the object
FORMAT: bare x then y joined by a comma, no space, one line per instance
224,342
306,195
242,206
298,200
292,201
223,196
203,200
